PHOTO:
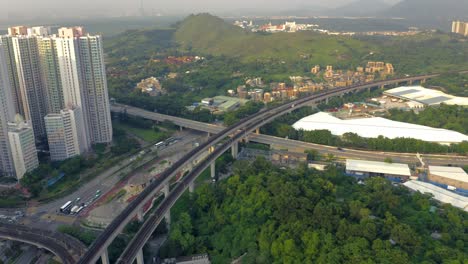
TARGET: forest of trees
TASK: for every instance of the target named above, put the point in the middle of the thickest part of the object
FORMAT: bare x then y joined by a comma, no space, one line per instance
444,116
452,83
272,215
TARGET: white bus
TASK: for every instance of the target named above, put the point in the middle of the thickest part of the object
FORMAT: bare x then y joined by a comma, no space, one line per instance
66,206
79,209
159,144
74,209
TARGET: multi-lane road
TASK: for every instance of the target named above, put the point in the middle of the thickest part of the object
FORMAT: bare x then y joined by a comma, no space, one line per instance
298,146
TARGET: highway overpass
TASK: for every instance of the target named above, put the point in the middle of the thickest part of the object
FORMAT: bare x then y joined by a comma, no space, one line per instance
294,145
68,249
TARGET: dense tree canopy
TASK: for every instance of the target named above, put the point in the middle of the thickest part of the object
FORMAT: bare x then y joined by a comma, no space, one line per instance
272,215
445,116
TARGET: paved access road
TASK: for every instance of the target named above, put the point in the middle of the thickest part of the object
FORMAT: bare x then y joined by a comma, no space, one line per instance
46,216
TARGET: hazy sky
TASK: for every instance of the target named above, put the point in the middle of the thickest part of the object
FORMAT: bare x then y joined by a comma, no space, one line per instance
36,7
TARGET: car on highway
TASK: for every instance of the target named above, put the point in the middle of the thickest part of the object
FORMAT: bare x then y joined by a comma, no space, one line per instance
340,149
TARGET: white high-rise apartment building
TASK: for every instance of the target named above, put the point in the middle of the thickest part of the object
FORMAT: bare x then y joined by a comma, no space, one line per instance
31,86
23,147
64,134
7,113
95,85
84,81
50,73
7,42
73,90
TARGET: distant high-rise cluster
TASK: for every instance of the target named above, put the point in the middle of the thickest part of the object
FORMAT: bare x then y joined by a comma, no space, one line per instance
56,86
459,27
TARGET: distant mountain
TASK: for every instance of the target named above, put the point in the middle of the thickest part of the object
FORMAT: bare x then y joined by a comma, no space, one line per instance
360,8
429,9
292,10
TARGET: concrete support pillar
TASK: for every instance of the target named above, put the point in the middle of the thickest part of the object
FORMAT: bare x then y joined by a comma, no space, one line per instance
213,170
423,81
410,83
167,216
139,257
140,215
382,87
208,135
105,257
181,128
235,150
191,187
257,131
326,101
166,190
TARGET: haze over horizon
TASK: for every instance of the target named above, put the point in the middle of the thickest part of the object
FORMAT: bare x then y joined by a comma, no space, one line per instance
90,8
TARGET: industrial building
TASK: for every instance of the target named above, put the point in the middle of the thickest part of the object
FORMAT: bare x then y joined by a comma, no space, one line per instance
439,194
377,126
427,97
223,103
364,169
451,177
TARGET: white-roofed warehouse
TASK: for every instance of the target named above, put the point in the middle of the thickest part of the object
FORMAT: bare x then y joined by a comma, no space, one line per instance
439,194
365,168
451,176
377,126
428,97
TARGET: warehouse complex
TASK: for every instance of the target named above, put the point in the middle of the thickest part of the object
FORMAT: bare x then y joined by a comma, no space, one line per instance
447,185
427,97
377,126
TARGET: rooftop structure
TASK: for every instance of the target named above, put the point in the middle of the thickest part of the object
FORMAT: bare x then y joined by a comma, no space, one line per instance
375,168
451,176
377,126
439,194
428,97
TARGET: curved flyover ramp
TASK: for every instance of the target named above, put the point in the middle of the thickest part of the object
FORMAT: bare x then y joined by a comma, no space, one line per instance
68,249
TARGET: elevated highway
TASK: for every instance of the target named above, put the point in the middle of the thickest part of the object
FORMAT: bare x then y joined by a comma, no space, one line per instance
68,249
228,137
294,145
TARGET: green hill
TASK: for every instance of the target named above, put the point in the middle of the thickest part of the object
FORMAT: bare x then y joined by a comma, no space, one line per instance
211,35
205,35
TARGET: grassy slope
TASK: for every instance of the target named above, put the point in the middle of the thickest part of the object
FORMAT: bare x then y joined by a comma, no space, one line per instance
208,35
211,35
147,135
